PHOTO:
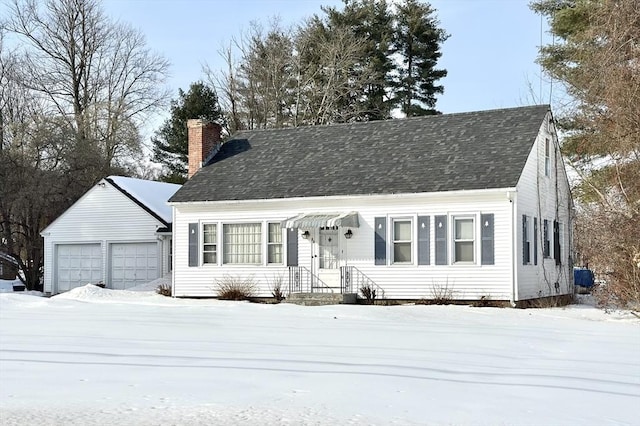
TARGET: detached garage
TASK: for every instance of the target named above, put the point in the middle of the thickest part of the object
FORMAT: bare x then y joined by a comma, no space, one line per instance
118,235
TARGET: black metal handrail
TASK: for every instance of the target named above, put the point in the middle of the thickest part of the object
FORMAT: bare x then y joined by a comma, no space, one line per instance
302,280
353,280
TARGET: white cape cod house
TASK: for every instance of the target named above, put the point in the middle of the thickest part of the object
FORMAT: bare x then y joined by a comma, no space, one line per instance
117,234
472,206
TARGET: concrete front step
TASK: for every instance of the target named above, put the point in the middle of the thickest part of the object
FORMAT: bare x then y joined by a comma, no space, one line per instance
320,299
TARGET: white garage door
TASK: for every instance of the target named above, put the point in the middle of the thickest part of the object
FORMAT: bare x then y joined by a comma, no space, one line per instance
78,265
133,264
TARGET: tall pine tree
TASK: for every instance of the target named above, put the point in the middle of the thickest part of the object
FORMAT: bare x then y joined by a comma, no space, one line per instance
371,21
417,43
170,142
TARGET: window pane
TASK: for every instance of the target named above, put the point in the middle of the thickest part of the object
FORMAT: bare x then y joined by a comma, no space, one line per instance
209,257
464,229
210,233
275,233
242,243
464,251
275,253
402,230
402,252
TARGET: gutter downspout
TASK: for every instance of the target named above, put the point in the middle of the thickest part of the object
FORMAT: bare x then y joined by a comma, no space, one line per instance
173,251
511,196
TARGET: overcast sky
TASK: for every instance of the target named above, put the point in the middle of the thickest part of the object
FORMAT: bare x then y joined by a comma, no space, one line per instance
490,55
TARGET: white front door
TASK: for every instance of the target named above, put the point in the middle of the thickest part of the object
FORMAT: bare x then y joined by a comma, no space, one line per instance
328,249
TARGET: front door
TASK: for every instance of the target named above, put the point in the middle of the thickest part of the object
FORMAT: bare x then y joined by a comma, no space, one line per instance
328,250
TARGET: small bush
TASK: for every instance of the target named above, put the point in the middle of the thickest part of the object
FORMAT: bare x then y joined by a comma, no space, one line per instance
277,290
483,302
369,294
236,288
164,290
441,294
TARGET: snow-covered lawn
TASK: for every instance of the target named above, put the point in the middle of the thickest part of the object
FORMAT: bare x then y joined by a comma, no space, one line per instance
102,357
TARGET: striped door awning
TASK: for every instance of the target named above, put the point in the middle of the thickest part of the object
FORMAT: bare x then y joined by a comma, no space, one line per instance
318,220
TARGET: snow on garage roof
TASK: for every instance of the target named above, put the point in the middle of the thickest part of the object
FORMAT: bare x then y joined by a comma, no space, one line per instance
149,194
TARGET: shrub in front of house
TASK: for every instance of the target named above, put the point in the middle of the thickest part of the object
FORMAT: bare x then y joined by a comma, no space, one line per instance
368,293
236,288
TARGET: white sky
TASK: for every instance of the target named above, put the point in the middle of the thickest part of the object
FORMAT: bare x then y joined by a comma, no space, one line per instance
490,55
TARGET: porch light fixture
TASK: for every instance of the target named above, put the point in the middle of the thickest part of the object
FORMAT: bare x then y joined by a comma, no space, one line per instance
348,234
306,235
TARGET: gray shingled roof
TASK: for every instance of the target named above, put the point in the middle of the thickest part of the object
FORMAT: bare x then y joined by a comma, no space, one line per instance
475,150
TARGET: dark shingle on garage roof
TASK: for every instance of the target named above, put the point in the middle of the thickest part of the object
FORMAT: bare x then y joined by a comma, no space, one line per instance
475,150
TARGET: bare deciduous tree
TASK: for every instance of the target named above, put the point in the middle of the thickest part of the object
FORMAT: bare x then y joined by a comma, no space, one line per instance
74,92
597,58
96,74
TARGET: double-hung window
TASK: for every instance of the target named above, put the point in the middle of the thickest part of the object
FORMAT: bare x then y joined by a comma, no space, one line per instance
464,239
402,244
545,239
210,245
274,243
242,243
547,157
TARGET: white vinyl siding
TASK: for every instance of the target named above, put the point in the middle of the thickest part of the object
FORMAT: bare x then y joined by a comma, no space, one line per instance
543,193
242,243
103,216
399,281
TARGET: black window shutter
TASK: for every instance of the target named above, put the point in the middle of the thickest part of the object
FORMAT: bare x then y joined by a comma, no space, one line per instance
441,240
423,240
525,245
535,240
292,246
193,244
487,244
556,242
381,240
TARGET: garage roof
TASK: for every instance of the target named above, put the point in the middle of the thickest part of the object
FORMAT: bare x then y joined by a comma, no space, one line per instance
148,194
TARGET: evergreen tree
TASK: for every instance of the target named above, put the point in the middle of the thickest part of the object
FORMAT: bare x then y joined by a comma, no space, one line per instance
170,143
417,42
371,21
595,56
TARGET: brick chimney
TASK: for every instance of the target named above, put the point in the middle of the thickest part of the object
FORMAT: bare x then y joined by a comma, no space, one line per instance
204,137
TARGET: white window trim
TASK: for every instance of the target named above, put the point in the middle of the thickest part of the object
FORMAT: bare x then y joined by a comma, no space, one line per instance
547,156
222,248
452,239
550,239
392,241
217,244
267,244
